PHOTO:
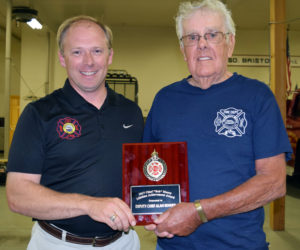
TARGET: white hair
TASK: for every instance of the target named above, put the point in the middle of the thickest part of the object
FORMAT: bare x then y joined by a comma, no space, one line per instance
186,9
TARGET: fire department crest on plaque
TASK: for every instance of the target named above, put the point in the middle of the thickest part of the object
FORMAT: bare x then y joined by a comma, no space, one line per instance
155,168
231,122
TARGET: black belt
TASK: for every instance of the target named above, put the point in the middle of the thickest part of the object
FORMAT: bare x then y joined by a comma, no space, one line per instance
96,241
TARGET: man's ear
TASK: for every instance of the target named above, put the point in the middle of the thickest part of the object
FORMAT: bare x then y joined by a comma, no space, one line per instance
61,59
183,53
231,45
110,57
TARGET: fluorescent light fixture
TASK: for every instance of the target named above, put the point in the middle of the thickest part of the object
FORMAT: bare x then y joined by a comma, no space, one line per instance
34,24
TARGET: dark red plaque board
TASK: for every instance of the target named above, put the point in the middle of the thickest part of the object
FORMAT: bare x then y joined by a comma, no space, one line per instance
155,178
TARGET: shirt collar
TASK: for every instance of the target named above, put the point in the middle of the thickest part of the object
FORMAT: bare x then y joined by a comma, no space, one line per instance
77,100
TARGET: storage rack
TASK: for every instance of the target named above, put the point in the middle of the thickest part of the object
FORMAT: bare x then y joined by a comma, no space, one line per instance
123,83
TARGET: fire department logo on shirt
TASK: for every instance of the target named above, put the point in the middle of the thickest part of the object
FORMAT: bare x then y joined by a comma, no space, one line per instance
231,122
68,128
155,168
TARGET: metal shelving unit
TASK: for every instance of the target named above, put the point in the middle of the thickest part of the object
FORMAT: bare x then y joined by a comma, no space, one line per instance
123,83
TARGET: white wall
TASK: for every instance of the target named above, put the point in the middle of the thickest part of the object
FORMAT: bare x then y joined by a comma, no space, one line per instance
34,64
15,67
252,42
151,54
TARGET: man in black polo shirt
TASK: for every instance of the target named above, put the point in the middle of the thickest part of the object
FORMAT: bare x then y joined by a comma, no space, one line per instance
65,161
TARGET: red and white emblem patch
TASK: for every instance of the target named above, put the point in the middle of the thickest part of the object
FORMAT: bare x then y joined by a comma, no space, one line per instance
68,128
155,168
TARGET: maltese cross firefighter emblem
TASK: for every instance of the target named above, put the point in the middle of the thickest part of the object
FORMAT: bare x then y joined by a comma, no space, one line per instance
155,168
231,122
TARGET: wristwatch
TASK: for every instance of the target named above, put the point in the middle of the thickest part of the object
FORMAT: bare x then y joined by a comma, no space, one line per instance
200,211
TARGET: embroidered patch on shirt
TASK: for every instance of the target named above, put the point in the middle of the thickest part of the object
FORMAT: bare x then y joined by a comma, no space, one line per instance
68,128
231,122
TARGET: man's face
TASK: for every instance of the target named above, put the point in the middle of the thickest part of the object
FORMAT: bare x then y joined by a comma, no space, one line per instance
207,60
86,57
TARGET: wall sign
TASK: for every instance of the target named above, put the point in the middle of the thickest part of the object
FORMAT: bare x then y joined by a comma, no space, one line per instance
258,61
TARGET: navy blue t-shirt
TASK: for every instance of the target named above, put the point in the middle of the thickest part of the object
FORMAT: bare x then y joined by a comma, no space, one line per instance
76,147
227,127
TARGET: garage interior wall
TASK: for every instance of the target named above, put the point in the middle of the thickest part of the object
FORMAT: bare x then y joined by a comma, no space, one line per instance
151,54
15,67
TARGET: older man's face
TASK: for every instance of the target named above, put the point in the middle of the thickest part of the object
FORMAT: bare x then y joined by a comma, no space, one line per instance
207,60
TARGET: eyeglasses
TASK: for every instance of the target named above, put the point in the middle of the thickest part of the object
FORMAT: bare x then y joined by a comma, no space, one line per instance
211,37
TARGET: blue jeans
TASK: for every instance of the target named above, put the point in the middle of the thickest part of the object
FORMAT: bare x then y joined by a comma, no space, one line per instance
158,247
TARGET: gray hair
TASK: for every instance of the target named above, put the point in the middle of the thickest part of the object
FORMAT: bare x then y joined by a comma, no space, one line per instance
65,26
186,9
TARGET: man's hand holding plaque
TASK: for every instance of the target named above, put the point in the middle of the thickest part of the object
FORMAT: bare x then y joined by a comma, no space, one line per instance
155,178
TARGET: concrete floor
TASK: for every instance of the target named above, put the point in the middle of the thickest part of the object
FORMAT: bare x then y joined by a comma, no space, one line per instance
15,229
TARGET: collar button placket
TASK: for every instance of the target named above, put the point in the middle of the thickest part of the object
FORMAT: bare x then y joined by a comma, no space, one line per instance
100,123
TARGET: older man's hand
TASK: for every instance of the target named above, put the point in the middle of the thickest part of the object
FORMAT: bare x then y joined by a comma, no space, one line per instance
180,220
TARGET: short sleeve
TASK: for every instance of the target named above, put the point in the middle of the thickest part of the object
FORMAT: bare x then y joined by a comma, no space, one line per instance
26,153
269,132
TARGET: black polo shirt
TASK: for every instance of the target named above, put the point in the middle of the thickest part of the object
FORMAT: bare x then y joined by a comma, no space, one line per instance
76,147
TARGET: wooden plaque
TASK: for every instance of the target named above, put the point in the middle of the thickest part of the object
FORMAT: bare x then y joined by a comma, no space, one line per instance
155,178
